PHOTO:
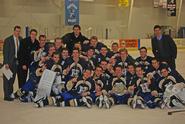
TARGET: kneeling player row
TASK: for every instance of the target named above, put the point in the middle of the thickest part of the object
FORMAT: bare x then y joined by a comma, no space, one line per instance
135,88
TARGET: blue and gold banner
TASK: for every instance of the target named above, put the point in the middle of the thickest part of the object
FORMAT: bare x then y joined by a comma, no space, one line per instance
71,12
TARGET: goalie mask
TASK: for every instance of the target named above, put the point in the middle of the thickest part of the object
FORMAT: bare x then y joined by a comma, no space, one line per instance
166,82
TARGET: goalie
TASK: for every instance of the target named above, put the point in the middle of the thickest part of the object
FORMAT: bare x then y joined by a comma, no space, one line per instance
174,91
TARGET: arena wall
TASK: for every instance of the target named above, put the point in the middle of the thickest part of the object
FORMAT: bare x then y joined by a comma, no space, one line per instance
145,42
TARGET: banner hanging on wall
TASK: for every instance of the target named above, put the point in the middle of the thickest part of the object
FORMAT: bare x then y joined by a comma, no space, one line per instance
171,7
156,3
160,4
123,3
71,12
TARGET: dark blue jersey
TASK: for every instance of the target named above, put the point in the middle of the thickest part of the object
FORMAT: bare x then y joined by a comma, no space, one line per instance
115,54
126,62
63,62
82,86
49,63
166,82
75,68
92,63
142,85
156,73
145,63
108,77
97,48
32,71
101,57
102,81
129,79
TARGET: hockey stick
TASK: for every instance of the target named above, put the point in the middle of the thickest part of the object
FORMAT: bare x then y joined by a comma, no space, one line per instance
175,111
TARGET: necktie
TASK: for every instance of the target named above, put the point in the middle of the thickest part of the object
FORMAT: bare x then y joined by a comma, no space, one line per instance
17,44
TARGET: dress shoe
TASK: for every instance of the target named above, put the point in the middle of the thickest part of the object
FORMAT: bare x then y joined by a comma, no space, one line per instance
8,99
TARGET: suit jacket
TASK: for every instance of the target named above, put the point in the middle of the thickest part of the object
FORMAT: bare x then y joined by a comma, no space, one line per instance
169,47
9,50
26,51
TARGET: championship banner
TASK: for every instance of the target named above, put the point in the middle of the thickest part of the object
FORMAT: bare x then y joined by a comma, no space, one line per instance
45,84
129,43
156,3
171,7
71,12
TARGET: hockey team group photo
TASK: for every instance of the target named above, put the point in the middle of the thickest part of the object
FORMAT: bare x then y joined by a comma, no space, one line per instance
75,71
92,61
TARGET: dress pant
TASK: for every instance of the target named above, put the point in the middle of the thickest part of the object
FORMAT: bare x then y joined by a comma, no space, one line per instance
8,84
170,61
22,75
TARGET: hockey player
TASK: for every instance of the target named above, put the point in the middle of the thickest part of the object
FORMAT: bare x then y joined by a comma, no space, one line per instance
99,95
54,65
38,53
59,44
106,74
130,75
28,91
79,90
74,65
144,60
173,91
50,50
119,89
90,57
145,92
124,58
110,65
103,55
64,56
154,71
78,46
93,43
114,49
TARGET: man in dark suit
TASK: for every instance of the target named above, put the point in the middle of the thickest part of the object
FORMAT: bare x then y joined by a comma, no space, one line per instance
27,48
71,38
10,61
164,47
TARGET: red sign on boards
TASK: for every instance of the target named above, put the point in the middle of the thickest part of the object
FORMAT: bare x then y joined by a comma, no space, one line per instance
129,43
